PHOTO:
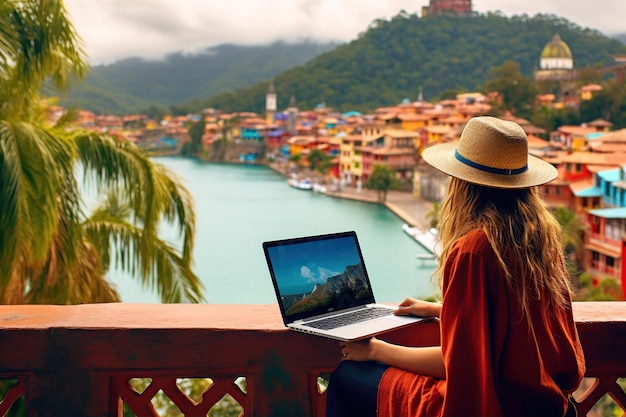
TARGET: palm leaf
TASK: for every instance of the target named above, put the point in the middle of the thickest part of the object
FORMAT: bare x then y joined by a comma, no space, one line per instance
154,193
48,252
169,274
47,43
29,164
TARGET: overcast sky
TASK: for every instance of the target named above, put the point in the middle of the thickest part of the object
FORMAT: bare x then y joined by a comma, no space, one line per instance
117,29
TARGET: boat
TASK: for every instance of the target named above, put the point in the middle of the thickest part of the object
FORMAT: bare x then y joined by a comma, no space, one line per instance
319,188
300,184
428,240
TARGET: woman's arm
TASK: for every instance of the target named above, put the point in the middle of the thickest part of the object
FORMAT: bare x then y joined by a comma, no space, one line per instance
422,360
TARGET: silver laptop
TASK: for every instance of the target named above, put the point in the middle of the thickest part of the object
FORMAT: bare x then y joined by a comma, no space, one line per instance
323,288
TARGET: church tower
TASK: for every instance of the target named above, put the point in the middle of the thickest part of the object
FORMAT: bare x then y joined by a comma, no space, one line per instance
270,104
292,116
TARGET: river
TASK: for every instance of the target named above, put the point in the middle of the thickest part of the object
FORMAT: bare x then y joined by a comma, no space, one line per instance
240,206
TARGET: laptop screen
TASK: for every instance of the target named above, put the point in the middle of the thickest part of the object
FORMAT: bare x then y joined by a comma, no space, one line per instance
318,274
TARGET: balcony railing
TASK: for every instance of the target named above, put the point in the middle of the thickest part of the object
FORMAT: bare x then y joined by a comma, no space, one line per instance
76,361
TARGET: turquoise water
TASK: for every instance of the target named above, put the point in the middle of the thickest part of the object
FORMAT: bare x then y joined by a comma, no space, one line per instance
240,206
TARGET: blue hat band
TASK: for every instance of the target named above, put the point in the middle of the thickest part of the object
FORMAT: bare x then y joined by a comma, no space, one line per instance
491,170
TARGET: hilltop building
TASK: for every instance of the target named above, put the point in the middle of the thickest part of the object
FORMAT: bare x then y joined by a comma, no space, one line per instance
556,61
456,7
556,72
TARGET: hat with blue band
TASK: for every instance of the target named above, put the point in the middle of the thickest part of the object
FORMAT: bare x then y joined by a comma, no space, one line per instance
491,152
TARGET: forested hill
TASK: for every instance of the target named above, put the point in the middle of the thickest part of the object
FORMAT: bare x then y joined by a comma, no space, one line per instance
135,84
394,58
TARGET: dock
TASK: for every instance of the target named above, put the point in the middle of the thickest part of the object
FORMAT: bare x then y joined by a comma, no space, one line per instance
428,240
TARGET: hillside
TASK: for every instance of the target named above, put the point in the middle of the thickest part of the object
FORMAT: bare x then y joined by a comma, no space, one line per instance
391,60
394,58
341,291
135,84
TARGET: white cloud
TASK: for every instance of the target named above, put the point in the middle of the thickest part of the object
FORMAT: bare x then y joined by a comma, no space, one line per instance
306,272
316,278
115,29
324,274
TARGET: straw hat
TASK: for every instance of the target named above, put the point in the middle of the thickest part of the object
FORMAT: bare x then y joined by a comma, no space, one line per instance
491,152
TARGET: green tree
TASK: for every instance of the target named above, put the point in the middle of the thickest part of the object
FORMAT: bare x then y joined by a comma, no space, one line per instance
382,180
516,91
608,104
196,131
572,235
296,161
607,289
433,215
572,228
319,161
551,118
155,112
54,247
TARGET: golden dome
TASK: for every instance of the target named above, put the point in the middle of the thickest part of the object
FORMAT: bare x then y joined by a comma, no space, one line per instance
556,48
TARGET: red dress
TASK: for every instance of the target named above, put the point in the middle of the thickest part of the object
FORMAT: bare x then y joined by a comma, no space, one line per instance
498,363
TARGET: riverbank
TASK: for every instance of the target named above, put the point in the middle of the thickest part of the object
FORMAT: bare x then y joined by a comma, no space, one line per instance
412,210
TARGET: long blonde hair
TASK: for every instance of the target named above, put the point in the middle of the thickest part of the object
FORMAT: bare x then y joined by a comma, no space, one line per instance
522,232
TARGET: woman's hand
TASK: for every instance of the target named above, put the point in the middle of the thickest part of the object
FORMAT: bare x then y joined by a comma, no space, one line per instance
362,350
419,308
422,360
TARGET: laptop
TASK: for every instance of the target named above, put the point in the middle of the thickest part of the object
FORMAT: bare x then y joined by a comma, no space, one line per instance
323,288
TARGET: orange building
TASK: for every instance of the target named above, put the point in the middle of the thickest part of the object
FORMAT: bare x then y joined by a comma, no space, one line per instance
436,7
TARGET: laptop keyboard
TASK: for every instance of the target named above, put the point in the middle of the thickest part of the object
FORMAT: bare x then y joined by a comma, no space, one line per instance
350,318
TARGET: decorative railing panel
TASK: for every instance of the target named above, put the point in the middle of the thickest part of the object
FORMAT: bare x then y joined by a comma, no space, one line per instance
97,360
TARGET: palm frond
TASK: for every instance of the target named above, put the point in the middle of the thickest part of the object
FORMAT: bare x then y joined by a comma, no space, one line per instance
85,282
168,274
178,208
154,193
30,162
48,43
9,45
47,253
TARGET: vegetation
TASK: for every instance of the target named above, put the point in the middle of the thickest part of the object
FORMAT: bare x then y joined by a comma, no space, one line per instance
573,232
606,289
194,388
516,91
319,161
433,215
151,86
391,60
382,180
196,131
394,58
608,104
296,162
56,248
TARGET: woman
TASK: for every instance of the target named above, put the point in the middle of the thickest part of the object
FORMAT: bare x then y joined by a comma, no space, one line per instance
509,346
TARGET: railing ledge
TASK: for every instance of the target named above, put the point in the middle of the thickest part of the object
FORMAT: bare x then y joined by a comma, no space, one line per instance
72,358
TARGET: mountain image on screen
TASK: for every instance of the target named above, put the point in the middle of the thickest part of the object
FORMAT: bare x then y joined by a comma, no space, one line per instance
339,291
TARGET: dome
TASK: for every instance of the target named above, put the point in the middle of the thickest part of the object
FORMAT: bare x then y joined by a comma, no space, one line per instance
556,55
556,48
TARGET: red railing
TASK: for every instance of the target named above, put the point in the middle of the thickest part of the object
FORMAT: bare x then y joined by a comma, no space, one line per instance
76,361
